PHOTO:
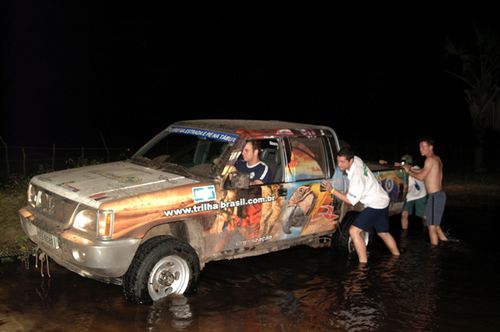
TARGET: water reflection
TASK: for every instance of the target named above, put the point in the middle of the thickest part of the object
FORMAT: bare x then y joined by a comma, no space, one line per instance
408,286
43,292
359,310
301,289
330,292
172,312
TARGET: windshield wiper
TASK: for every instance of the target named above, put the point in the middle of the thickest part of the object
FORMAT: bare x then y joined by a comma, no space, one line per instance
140,160
145,161
177,168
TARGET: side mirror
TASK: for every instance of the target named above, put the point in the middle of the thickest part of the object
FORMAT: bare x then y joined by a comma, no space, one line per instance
239,180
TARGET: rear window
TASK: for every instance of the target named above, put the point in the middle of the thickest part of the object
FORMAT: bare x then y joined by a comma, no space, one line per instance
307,158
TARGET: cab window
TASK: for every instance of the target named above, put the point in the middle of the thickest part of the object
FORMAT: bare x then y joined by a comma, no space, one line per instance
308,158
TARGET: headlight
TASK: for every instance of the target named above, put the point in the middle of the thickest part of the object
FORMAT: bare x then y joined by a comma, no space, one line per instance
98,222
85,220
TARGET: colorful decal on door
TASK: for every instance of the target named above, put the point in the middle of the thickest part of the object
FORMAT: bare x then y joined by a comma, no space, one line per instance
240,223
298,208
307,210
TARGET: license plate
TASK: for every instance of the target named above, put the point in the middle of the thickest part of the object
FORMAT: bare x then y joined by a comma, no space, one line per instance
49,239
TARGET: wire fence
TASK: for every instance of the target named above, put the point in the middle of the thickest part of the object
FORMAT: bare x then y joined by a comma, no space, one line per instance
30,160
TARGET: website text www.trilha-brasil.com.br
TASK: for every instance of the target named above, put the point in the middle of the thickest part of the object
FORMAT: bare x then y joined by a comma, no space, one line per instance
215,206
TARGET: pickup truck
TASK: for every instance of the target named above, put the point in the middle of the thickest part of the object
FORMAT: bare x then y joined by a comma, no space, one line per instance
150,223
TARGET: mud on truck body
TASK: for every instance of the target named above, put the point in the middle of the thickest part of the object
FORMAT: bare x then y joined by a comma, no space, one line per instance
152,222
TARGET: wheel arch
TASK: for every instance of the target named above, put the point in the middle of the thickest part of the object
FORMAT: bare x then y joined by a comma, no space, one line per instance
188,230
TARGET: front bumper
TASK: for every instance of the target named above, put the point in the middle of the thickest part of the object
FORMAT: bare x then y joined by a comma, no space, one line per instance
101,260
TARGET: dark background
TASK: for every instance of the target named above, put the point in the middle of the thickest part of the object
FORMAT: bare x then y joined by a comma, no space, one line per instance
74,73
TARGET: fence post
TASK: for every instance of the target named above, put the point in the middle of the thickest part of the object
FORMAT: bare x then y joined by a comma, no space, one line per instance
105,146
24,161
6,155
53,155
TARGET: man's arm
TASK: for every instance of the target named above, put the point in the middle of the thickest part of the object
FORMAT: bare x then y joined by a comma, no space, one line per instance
327,186
420,174
342,197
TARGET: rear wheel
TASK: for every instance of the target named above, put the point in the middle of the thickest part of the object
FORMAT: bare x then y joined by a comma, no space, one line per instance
366,238
162,266
342,240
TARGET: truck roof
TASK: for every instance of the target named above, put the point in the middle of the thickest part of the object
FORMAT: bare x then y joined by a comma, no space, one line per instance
243,125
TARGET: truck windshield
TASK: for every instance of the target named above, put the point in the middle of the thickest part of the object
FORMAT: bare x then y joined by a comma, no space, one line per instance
182,153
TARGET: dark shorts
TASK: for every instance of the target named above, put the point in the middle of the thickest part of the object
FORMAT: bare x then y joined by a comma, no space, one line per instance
416,207
435,208
373,218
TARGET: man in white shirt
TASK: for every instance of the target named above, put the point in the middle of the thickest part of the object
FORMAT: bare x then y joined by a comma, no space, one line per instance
416,197
364,188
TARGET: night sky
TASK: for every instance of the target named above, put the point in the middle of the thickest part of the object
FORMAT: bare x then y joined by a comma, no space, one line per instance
375,74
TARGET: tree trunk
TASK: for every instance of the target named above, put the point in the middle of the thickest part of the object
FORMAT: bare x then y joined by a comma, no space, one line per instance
479,165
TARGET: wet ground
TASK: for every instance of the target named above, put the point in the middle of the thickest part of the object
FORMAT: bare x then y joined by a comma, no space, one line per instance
455,287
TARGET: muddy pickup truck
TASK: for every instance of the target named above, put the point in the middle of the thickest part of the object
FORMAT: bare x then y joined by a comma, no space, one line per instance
151,223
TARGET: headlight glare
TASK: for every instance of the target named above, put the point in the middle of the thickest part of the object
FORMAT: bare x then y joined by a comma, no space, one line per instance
85,220
31,195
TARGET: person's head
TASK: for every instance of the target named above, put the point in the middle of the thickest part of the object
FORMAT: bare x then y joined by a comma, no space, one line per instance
251,152
345,158
406,159
426,146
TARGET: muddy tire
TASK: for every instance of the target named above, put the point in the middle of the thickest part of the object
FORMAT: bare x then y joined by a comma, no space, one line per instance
162,266
341,239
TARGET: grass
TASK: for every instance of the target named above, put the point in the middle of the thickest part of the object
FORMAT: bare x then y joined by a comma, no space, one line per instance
491,178
476,189
13,240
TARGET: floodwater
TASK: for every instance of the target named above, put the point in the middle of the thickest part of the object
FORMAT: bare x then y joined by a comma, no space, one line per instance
454,287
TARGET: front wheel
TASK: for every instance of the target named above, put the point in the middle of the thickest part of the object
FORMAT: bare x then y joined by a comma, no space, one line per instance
162,266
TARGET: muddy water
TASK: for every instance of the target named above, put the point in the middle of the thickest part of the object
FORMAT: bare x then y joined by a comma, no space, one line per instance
451,288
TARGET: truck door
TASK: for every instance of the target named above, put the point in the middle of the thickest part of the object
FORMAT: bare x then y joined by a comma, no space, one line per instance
249,211
289,206
306,210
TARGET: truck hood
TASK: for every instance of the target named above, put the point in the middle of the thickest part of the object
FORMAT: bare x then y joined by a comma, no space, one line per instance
92,185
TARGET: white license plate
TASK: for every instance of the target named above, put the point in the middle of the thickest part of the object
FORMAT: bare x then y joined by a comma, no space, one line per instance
49,239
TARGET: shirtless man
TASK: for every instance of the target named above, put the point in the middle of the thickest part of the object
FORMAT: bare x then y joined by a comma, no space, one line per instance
432,175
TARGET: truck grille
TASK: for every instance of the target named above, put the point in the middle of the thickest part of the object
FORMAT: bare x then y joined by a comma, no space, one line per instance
54,206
